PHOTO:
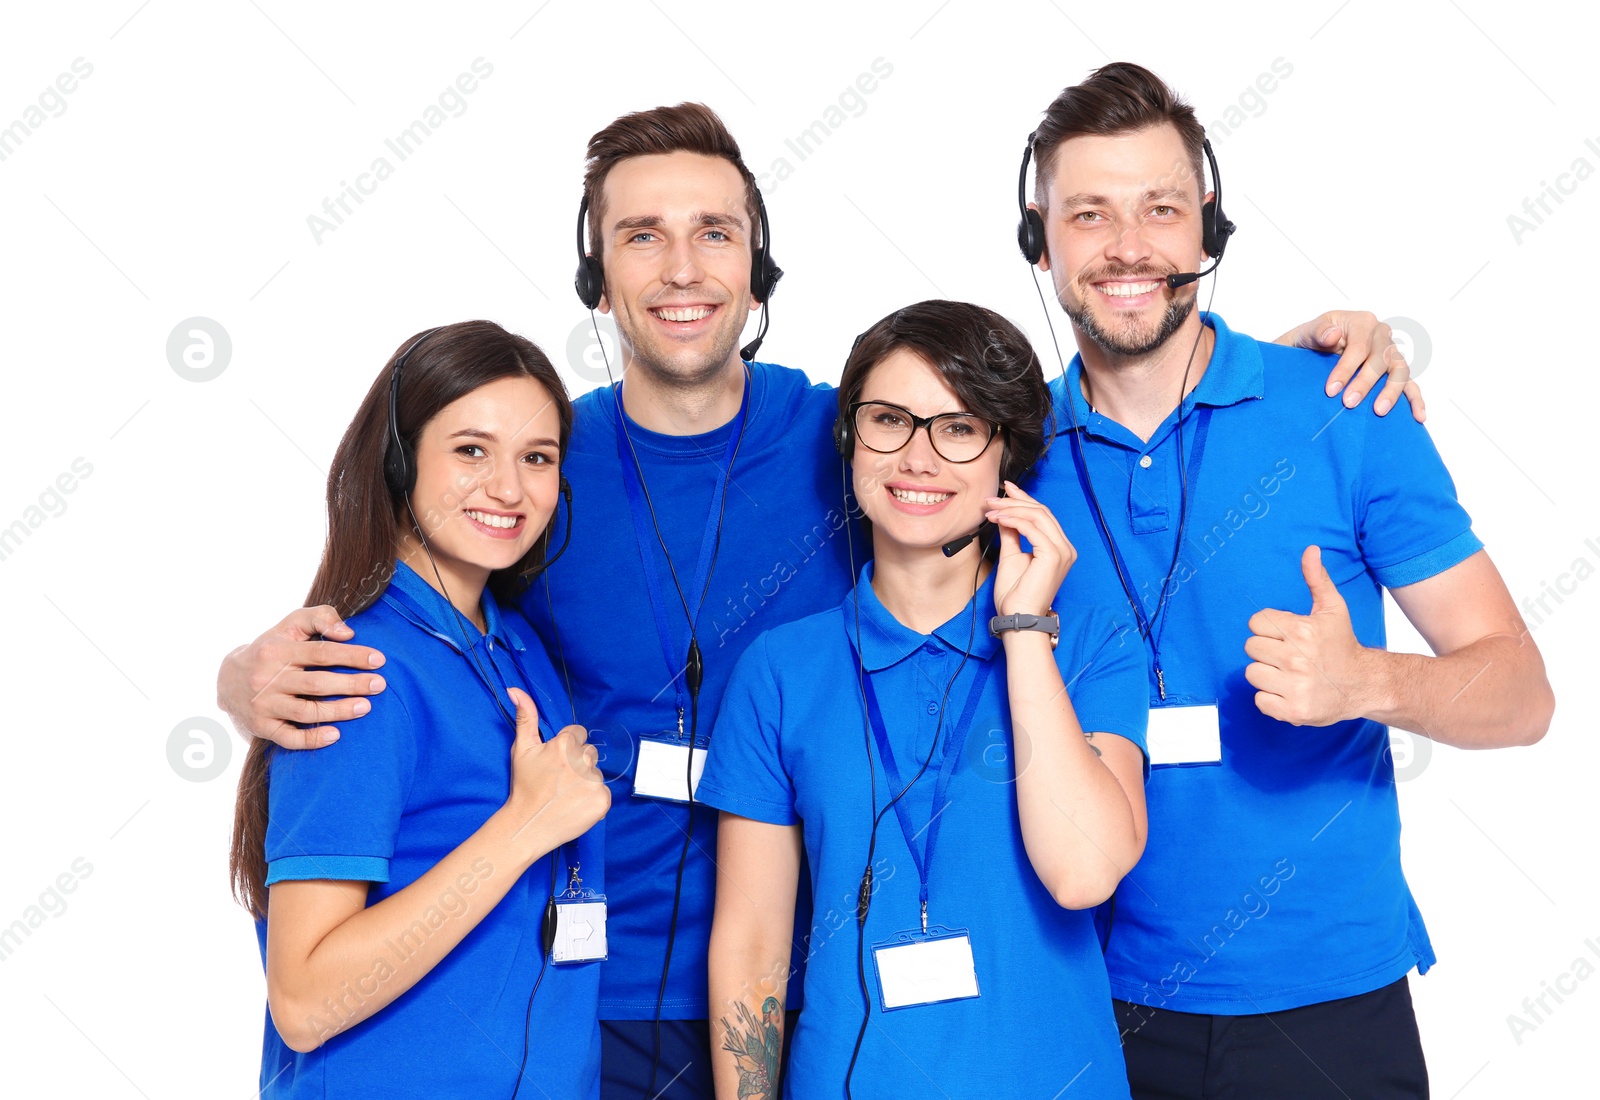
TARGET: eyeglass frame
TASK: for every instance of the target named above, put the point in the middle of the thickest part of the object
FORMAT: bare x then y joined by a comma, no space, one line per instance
922,423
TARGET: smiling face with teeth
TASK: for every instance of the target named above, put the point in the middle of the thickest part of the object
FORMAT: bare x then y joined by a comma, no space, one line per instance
1123,213
915,499
488,474
677,241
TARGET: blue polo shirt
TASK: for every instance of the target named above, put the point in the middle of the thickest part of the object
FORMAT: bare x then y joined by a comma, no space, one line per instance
1272,879
789,749
431,764
783,555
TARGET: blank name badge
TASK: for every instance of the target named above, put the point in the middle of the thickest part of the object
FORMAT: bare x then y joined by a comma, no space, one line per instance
916,969
662,767
1184,735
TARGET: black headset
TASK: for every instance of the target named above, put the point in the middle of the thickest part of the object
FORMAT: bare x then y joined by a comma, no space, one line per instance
590,281
400,458
1215,228
844,438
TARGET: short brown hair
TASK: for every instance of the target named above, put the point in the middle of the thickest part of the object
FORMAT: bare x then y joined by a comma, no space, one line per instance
981,356
1116,99
686,128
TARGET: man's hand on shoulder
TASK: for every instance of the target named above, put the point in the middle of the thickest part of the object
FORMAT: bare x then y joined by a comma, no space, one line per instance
269,689
1367,355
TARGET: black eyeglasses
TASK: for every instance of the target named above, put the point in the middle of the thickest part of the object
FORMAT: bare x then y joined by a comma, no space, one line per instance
956,437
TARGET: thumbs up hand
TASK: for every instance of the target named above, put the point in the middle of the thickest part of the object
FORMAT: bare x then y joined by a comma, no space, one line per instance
1308,670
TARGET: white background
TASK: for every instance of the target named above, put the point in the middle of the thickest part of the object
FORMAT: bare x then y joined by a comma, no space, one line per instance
177,183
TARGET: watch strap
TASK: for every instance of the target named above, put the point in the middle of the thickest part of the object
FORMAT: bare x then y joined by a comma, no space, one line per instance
1048,624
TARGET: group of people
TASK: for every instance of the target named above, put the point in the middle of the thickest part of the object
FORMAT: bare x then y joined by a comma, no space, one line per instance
947,732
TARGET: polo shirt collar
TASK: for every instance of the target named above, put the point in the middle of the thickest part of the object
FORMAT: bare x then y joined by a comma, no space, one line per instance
420,602
1234,374
886,641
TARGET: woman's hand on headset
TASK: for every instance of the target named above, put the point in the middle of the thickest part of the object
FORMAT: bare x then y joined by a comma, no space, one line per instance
1026,583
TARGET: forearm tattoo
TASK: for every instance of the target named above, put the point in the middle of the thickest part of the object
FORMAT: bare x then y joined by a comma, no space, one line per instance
755,1046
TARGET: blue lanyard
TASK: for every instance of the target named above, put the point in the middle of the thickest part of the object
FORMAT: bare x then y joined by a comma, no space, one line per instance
955,739
1147,623
645,535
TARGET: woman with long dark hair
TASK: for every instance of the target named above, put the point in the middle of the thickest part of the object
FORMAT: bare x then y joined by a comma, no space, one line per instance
427,889
959,760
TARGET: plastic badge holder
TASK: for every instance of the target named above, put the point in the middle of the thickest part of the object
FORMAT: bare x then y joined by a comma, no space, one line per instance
659,771
922,968
580,926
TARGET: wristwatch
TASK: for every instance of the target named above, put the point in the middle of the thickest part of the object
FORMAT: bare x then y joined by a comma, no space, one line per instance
1049,624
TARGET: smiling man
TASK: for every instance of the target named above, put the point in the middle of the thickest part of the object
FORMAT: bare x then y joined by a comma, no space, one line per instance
1261,946
706,491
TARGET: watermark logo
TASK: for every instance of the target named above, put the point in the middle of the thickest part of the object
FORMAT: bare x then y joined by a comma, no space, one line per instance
1537,207
52,902
850,103
1412,341
450,103
1552,594
1251,102
1537,1009
199,749
51,502
199,349
1409,752
52,103
591,346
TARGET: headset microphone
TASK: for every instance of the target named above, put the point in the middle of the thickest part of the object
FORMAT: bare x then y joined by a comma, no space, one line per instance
764,275
1215,228
1187,277
951,549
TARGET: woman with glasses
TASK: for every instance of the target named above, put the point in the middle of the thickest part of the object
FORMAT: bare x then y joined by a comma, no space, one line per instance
960,761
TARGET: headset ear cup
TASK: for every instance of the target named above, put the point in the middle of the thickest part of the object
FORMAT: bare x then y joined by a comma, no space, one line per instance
764,275
841,437
399,468
1030,235
590,282
1208,230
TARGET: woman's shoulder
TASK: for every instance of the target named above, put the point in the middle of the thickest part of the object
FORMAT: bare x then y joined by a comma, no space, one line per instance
795,648
381,621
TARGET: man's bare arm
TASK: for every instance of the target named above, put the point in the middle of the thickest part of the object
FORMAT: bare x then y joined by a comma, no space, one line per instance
1485,687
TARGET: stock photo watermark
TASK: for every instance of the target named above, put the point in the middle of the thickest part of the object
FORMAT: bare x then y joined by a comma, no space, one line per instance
1253,906
198,749
1412,341
52,902
1538,608
1251,102
592,348
850,103
199,349
1537,1009
1537,208
451,103
348,1007
50,503
50,103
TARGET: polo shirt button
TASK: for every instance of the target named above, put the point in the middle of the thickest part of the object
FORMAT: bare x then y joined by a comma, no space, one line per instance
931,650
1144,462
933,708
